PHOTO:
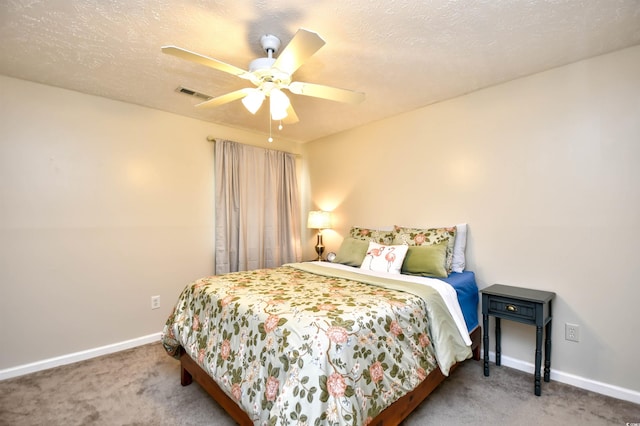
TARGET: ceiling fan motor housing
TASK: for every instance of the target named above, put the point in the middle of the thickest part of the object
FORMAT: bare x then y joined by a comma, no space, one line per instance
262,67
261,64
263,71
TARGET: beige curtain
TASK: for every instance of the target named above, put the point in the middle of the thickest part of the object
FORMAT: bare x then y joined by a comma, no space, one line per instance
257,208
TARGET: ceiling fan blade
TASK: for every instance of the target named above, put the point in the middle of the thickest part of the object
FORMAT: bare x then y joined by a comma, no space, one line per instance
301,47
207,61
291,117
224,99
326,92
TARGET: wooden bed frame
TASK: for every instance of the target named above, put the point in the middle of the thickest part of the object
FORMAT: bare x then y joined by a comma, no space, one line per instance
392,415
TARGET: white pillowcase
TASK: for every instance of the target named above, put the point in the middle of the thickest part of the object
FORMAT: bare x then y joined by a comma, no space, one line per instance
458,262
381,258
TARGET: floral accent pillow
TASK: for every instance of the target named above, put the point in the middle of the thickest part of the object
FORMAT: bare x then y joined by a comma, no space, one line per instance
384,258
367,234
427,236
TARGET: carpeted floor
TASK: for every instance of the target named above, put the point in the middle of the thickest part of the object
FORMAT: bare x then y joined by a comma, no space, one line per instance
141,386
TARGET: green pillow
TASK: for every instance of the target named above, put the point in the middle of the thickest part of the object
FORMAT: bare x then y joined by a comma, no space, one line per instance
427,261
351,252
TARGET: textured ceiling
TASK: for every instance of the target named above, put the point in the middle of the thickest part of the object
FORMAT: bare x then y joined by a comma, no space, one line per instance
402,54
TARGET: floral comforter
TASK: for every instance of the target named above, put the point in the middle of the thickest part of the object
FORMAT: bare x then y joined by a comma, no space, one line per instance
301,344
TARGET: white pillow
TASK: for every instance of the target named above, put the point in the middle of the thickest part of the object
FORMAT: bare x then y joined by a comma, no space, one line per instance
458,262
381,258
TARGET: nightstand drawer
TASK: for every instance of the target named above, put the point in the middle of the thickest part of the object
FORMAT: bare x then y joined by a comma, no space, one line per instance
512,308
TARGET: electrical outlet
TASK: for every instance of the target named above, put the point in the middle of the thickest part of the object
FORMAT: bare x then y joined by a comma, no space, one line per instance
155,302
572,332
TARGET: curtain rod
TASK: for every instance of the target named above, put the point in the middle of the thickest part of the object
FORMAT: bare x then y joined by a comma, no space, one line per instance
213,139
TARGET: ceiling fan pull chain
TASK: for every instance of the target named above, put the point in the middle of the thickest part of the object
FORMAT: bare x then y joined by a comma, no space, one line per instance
270,138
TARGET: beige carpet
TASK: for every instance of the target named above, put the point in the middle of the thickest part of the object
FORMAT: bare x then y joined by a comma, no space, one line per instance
141,386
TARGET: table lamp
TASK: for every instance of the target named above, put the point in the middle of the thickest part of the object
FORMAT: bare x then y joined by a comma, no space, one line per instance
319,220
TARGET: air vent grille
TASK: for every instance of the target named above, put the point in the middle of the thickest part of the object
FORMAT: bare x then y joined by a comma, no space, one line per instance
190,92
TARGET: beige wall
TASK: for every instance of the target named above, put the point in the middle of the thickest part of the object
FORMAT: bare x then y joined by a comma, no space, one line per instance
545,171
103,204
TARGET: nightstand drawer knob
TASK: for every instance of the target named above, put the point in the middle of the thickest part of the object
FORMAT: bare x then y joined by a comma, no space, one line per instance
512,308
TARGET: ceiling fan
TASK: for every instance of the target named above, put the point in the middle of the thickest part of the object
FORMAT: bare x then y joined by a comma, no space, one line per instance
271,75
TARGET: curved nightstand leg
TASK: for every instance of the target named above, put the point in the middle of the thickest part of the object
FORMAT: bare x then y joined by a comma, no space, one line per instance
538,359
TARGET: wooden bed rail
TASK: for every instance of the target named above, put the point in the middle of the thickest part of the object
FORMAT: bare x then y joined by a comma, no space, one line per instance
391,416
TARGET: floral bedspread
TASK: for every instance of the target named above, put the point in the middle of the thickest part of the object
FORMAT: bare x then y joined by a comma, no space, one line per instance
297,345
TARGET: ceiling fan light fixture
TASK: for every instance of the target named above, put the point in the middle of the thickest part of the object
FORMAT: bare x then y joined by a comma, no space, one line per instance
253,101
279,103
277,115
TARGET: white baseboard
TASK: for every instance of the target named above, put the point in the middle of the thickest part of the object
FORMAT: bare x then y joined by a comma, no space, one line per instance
77,356
570,379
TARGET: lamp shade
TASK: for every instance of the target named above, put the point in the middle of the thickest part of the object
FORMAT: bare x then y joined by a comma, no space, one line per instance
253,101
279,103
319,220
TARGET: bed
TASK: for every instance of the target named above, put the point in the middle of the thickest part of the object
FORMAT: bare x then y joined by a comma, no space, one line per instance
323,343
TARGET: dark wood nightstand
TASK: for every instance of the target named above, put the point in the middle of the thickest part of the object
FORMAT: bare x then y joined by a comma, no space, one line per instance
523,305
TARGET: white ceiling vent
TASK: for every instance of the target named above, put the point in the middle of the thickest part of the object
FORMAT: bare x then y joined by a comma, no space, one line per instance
190,92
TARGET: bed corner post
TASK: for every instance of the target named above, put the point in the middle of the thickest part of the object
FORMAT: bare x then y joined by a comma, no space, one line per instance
476,335
185,377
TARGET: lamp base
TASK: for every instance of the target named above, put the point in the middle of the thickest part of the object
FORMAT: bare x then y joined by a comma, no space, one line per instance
319,247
